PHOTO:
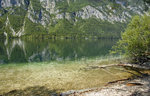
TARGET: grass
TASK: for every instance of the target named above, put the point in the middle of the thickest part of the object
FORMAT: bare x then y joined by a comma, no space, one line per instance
60,76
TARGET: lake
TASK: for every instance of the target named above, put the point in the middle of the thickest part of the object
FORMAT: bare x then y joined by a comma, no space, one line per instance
39,50
33,67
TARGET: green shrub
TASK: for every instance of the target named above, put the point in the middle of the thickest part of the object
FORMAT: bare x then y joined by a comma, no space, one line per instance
135,41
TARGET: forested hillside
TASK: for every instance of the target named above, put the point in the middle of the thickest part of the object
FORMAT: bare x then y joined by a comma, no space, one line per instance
72,18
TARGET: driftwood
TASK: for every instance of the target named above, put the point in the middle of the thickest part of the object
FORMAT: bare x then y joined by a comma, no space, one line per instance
124,65
116,81
134,67
111,85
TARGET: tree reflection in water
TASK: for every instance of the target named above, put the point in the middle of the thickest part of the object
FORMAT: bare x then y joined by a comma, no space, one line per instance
38,50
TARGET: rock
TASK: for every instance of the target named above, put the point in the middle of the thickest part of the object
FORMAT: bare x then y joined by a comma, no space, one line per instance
67,93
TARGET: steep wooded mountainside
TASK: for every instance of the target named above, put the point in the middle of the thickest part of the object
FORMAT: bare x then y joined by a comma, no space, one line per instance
103,18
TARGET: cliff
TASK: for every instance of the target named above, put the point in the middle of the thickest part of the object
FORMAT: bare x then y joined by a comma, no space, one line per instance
104,18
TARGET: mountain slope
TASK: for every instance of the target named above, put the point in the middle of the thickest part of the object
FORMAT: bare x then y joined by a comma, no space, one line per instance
103,18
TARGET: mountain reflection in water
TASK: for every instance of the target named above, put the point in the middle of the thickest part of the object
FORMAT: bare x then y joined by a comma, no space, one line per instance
38,50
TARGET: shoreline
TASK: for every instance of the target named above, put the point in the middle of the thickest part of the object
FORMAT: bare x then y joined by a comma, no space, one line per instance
111,86
132,86
139,86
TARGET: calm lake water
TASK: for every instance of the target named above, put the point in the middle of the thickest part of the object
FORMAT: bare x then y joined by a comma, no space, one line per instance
37,50
41,67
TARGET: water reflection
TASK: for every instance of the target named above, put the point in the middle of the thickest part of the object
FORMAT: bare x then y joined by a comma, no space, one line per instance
11,46
18,50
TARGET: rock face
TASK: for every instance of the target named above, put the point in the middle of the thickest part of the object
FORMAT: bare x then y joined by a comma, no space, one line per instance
10,3
48,12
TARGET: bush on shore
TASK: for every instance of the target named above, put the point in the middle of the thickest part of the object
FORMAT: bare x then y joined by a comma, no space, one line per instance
135,41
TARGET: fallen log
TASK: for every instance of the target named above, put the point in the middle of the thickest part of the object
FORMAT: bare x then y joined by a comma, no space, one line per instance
124,65
135,66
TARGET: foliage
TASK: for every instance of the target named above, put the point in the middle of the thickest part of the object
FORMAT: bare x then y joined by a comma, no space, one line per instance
19,19
147,1
34,28
88,27
36,5
74,26
1,26
100,28
16,20
77,5
135,41
62,27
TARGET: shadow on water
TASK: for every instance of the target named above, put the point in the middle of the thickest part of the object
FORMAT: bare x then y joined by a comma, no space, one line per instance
22,51
32,91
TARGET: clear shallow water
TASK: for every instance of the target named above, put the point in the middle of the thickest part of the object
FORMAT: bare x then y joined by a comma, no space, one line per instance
38,50
58,76
33,66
